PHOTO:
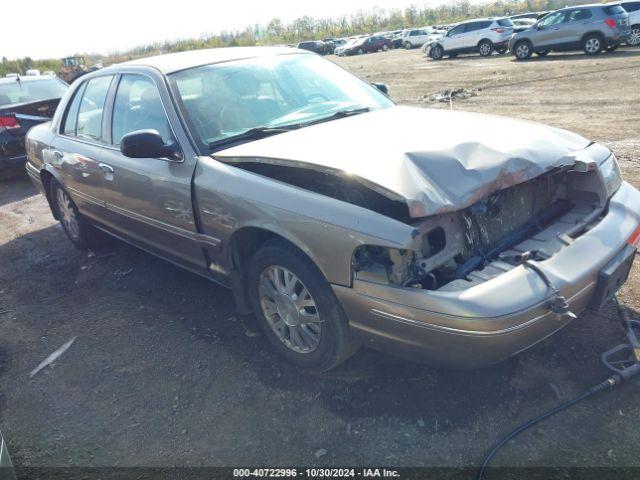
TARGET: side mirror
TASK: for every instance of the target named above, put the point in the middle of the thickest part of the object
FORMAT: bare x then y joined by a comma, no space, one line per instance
148,144
381,86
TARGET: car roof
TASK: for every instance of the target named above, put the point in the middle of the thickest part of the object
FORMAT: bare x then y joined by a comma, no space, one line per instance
27,79
485,19
175,62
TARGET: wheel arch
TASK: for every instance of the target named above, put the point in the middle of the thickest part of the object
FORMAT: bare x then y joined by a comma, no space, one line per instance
241,247
47,178
593,32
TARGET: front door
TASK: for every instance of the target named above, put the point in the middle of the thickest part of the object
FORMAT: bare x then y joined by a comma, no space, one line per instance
149,199
549,31
454,38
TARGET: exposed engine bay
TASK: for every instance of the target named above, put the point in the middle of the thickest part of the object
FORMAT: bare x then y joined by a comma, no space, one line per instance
462,249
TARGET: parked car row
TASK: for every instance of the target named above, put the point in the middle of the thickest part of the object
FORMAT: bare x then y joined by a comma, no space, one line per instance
591,28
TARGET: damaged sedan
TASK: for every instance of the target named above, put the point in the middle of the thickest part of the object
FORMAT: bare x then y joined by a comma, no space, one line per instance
336,217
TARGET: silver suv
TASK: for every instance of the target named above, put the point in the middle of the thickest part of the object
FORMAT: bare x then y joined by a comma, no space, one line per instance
592,28
633,9
483,35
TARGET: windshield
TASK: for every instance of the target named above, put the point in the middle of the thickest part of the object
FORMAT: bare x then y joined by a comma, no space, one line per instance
227,99
31,91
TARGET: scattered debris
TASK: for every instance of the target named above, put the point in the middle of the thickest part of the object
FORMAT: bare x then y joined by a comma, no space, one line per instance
123,273
556,390
251,334
90,254
53,357
448,95
320,453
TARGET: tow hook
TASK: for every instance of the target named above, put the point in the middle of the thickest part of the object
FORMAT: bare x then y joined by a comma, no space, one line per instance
558,304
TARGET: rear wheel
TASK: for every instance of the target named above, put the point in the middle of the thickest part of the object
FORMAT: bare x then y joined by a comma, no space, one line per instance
407,45
437,52
385,47
360,51
634,37
297,309
543,53
592,44
77,228
485,47
522,50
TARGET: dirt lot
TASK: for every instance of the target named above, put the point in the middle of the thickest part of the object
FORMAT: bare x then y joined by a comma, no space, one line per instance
164,373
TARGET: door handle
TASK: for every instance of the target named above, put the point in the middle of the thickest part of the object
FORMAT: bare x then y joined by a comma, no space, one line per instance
107,170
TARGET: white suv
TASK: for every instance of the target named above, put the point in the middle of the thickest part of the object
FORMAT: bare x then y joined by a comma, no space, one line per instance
413,38
483,35
633,9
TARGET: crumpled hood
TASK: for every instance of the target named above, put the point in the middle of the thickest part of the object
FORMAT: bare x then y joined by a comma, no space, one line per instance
434,160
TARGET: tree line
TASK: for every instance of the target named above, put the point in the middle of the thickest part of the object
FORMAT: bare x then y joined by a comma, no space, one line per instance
275,32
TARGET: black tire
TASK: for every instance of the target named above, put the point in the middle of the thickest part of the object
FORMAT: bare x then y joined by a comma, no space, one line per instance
593,44
407,45
360,51
436,52
485,48
543,53
522,50
82,234
335,343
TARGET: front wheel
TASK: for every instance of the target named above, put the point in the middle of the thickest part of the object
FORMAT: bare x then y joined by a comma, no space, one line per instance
437,52
77,228
522,50
297,309
407,45
592,44
360,51
385,47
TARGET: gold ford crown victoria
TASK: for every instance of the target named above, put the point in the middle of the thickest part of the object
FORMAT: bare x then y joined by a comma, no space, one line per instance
338,218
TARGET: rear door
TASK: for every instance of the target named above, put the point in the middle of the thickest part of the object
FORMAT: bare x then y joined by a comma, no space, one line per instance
76,151
576,23
148,200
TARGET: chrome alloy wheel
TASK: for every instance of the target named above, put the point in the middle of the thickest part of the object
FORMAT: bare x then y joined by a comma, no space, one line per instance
634,38
289,309
485,49
592,45
68,215
522,51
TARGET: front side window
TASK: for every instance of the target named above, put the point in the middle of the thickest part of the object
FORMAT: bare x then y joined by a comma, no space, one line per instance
456,30
138,107
91,108
552,19
226,99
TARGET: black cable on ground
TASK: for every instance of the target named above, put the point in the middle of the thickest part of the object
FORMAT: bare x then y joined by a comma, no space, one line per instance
608,383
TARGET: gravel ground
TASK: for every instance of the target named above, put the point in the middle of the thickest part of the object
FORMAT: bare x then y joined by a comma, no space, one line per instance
163,372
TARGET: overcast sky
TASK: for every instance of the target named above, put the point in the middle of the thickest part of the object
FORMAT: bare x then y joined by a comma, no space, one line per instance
56,28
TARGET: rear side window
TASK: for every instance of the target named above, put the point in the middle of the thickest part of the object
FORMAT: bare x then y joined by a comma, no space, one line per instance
577,15
138,107
71,119
91,108
631,6
614,10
